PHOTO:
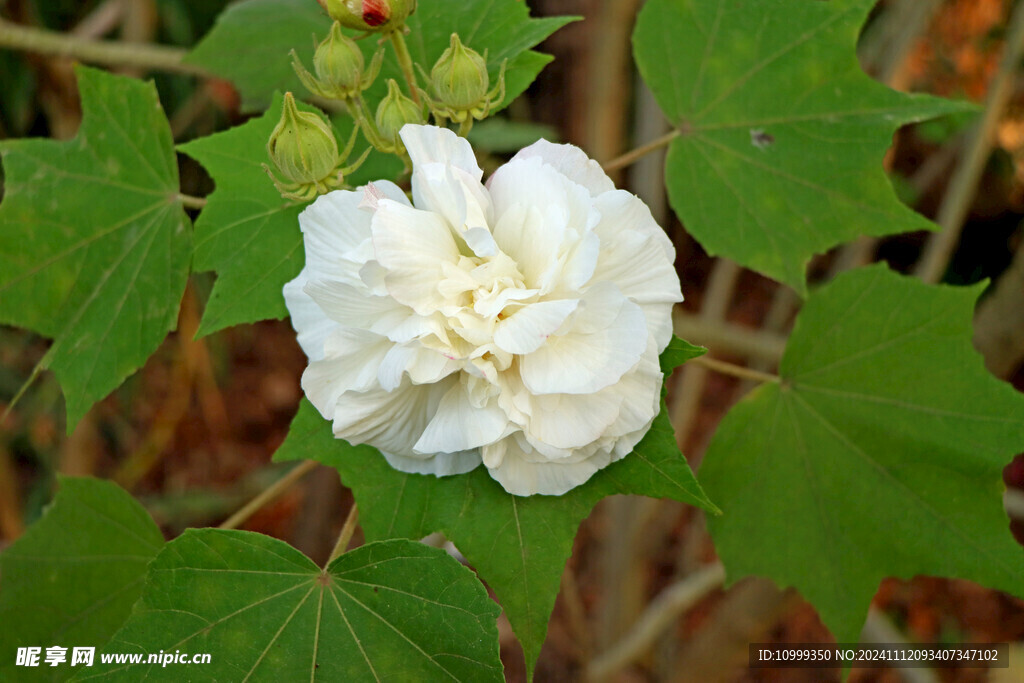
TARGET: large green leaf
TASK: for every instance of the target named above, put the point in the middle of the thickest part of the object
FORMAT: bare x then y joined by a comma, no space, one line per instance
252,39
250,42
94,244
781,135
880,453
247,233
390,611
518,544
72,579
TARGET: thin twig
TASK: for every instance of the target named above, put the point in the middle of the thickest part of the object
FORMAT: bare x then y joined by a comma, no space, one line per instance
658,616
734,370
107,52
730,338
634,154
347,529
269,494
962,187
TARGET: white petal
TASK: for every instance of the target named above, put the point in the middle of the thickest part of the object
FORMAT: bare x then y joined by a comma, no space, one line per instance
391,421
332,227
585,360
439,465
547,215
573,421
453,194
458,426
411,245
640,391
422,366
528,328
635,253
521,477
572,162
430,144
311,324
349,306
480,241
351,358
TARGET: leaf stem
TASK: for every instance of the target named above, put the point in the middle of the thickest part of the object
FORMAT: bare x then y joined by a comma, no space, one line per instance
725,368
347,530
269,494
109,53
405,62
643,150
191,202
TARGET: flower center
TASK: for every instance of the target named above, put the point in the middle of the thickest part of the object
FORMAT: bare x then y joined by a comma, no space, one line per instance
479,291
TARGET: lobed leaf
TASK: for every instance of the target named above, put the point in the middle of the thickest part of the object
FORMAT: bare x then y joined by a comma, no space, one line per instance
780,133
94,243
880,453
72,579
246,232
519,545
394,611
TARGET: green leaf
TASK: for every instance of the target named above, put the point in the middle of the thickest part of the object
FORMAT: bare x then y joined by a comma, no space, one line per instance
94,244
266,30
391,611
880,453
781,135
246,232
678,352
250,42
519,545
72,579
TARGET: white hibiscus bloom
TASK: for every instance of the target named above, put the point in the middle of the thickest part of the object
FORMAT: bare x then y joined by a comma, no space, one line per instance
516,324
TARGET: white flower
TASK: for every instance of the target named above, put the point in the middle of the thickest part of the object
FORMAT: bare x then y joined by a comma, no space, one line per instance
516,324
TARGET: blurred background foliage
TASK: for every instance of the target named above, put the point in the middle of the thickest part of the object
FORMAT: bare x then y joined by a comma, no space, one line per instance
191,434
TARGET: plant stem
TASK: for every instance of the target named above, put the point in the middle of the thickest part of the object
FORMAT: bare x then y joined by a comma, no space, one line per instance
191,202
269,494
465,127
347,530
110,53
734,370
659,615
405,62
963,185
634,154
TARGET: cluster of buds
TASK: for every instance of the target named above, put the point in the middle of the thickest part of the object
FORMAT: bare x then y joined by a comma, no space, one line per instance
375,16
339,66
460,84
305,152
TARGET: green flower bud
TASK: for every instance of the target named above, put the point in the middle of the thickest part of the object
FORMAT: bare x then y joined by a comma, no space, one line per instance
338,61
395,111
379,16
302,145
460,77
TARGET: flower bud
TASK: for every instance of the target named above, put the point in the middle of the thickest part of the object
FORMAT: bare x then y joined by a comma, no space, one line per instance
460,77
338,61
302,145
370,15
395,111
